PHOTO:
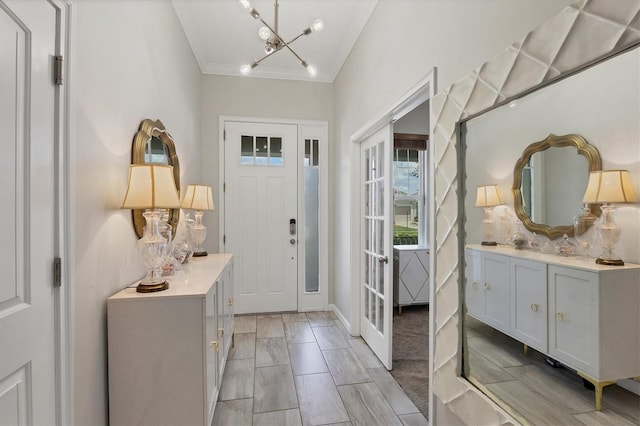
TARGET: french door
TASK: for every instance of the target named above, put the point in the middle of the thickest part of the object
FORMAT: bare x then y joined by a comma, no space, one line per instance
261,220
28,197
376,292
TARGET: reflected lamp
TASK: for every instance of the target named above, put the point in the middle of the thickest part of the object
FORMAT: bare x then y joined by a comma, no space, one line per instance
606,187
198,198
151,187
488,196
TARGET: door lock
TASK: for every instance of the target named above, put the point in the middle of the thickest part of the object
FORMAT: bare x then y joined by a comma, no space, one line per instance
292,227
292,241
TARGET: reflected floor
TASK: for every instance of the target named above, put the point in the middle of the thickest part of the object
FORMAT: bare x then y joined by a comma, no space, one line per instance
305,369
539,392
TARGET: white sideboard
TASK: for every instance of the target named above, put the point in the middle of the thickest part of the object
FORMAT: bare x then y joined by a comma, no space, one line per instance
167,350
586,316
410,276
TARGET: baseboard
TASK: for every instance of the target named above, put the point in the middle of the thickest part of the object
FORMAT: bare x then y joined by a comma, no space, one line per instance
340,316
630,385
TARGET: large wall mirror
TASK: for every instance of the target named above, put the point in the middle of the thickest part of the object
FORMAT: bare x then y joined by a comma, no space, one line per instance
152,144
596,114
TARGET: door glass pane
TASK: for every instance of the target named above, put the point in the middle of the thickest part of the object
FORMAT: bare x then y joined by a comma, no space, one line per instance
311,229
367,201
373,163
374,306
275,151
381,277
380,165
307,152
380,232
367,270
246,149
315,153
380,315
261,149
367,159
373,200
366,303
380,198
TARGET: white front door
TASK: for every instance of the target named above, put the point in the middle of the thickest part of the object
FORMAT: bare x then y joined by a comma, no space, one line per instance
27,213
376,290
261,221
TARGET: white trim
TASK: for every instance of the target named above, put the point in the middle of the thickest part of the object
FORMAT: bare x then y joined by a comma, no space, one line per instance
340,316
63,303
306,301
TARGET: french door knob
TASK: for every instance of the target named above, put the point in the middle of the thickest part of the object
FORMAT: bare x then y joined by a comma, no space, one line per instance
383,259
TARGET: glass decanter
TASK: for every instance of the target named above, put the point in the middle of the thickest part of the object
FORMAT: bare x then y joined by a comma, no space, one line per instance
581,226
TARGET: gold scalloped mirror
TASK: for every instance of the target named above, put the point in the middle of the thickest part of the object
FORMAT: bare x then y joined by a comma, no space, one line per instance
549,181
154,145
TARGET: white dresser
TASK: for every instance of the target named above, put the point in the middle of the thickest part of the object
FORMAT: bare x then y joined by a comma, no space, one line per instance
585,315
410,276
167,350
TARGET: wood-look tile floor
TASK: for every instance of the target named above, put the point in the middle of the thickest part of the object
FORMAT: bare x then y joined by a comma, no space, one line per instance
540,393
305,369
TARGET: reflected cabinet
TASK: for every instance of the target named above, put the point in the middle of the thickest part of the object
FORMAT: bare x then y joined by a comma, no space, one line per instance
167,350
585,315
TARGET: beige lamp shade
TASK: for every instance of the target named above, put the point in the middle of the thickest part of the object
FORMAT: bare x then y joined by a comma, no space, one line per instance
151,186
198,197
609,186
488,196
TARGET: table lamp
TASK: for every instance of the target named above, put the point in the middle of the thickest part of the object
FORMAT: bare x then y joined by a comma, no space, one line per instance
488,196
198,198
606,187
151,187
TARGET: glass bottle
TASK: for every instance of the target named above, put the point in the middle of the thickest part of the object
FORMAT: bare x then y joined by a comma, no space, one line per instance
519,238
581,226
565,247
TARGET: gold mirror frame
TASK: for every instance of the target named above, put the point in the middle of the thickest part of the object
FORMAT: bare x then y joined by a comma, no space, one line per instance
148,129
584,148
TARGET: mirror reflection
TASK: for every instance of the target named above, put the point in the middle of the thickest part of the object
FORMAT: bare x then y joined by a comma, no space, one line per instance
530,339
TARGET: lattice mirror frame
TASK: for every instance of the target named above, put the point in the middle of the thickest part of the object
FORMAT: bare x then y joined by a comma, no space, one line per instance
582,34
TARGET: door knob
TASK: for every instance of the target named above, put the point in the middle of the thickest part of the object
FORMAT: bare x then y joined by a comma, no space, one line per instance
292,241
383,259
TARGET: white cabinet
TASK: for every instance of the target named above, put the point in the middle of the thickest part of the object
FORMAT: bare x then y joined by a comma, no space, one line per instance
410,276
167,350
585,315
594,321
487,289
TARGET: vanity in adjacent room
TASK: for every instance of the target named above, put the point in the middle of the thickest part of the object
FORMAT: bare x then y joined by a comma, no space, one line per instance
582,314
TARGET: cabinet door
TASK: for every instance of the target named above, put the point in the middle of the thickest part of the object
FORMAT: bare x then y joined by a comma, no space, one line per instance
529,303
573,317
474,285
212,348
497,290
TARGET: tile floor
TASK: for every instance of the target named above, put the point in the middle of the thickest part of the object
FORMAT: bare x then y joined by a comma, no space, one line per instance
305,369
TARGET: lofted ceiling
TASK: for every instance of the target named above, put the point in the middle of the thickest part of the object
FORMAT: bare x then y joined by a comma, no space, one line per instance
224,36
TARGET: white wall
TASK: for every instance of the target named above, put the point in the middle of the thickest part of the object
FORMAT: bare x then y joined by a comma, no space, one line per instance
415,121
252,97
129,61
602,104
402,42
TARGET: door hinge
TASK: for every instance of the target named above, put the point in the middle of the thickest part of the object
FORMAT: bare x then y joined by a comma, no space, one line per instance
57,272
224,186
57,70
224,135
224,239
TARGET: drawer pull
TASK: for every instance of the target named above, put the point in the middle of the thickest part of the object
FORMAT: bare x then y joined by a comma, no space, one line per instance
213,344
221,331
561,316
535,307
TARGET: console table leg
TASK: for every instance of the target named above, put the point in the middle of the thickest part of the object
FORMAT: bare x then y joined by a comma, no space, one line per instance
598,387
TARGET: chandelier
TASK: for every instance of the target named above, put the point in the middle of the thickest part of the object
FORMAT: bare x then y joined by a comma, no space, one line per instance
274,43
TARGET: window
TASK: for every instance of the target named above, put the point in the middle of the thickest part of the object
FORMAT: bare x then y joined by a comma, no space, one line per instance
261,150
409,162
311,208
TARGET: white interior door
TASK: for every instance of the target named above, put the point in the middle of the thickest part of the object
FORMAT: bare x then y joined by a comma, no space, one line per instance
261,201
27,125
376,318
